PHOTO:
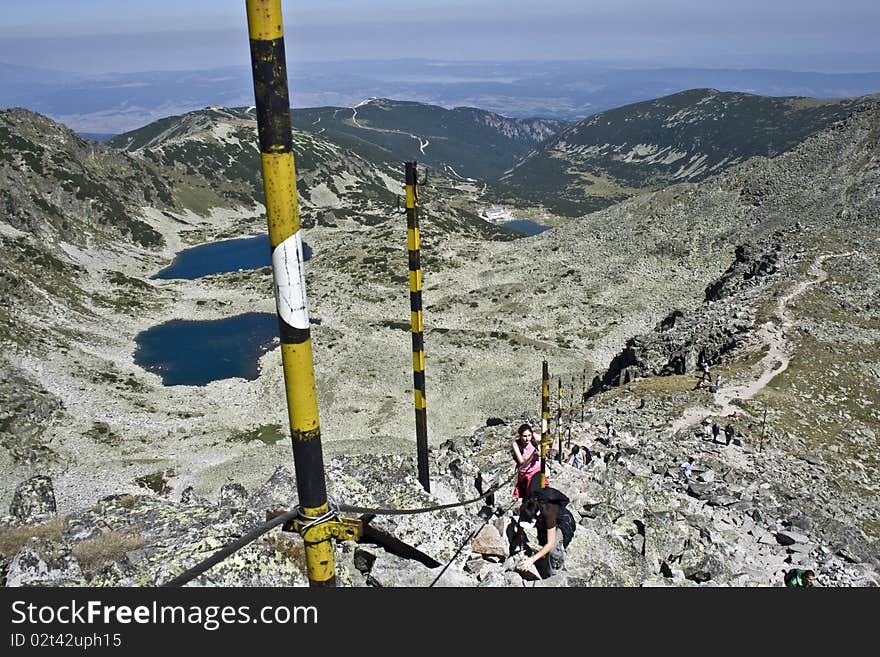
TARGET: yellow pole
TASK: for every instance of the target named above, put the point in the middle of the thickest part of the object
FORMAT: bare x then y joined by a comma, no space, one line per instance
282,211
418,329
545,419
559,417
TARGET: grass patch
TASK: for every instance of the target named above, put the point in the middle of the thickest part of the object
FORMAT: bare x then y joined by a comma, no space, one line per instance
14,538
107,548
267,433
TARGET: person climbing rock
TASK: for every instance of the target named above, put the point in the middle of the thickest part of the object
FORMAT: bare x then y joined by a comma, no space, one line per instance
545,509
797,578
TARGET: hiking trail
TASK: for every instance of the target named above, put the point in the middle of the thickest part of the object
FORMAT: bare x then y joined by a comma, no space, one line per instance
776,360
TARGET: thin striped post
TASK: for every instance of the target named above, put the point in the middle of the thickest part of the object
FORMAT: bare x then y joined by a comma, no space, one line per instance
545,419
559,417
282,212
570,418
418,329
584,393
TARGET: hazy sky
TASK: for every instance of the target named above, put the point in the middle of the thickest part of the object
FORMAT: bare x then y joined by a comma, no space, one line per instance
130,35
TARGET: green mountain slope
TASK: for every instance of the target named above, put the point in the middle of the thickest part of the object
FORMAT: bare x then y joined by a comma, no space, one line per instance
464,141
687,136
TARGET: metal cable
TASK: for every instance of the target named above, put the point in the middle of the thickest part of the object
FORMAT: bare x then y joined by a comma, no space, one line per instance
224,552
296,512
466,541
427,509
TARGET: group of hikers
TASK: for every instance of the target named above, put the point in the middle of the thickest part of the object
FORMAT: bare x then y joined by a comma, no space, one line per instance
544,507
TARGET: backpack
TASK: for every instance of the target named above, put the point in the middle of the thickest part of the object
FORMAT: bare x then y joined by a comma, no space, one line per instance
564,520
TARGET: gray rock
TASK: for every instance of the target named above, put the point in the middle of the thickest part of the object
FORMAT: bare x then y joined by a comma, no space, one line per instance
489,542
42,563
232,495
34,500
364,558
279,492
788,537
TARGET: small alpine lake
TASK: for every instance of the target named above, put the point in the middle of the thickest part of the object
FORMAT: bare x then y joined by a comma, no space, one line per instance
223,257
525,226
194,353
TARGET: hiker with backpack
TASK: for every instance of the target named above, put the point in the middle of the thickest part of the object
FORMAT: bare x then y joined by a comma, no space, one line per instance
555,527
528,464
797,578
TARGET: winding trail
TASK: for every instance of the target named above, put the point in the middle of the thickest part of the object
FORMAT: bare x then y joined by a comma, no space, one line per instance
423,143
776,360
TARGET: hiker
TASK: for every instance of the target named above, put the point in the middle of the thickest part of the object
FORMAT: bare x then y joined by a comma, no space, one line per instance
717,381
588,457
545,509
705,375
734,416
716,431
728,434
525,453
686,469
797,578
576,459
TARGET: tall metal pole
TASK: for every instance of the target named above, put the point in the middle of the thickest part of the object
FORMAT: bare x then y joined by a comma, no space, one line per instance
570,419
415,307
584,393
545,419
282,211
559,417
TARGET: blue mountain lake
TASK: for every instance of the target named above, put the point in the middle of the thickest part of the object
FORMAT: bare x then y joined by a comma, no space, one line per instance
193,353
222,257
525,226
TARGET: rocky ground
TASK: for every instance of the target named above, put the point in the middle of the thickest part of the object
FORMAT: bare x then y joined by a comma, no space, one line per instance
741,521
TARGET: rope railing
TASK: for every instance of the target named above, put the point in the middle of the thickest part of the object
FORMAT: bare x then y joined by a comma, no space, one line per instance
224,552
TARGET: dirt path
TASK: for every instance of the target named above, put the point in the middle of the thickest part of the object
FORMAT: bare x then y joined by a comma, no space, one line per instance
776,360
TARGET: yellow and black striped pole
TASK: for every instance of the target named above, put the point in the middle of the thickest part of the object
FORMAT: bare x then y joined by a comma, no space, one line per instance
584,393
282,211
545,419
559,417
418,328
570,417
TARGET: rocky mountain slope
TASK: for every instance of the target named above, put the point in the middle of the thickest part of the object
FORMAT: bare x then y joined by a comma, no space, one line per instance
687,136
724,252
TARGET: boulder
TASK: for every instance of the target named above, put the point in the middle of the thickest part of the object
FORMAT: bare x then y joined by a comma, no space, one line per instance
279,492
788,537
490,543
34,500
232,495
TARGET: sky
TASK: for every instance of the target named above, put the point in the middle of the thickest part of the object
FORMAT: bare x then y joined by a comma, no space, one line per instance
99,36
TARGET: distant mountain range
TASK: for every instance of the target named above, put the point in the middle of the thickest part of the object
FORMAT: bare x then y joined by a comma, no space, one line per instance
566,90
